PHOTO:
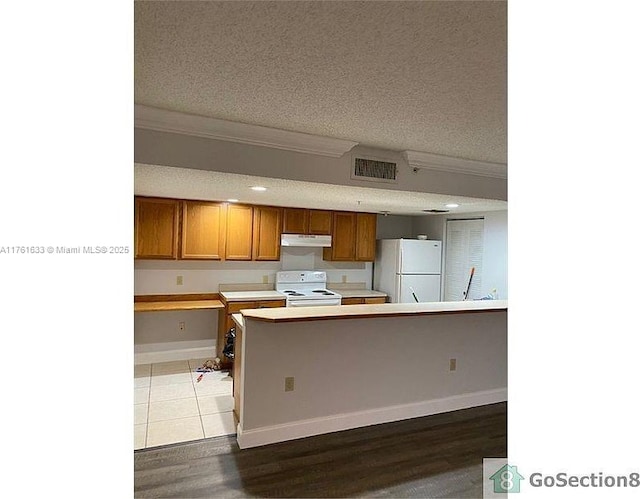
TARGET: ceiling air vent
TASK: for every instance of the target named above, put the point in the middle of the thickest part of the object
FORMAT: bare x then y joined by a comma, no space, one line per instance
436,211
373,169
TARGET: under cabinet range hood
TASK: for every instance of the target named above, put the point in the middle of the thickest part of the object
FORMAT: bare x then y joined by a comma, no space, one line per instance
305,240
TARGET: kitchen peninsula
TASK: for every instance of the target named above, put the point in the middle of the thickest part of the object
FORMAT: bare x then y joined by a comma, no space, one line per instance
316,370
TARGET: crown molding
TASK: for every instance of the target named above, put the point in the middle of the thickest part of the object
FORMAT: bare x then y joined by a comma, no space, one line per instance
429,161
151,118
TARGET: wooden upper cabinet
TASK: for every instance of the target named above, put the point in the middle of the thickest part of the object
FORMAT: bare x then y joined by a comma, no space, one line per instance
320,222
203,230
295,221
239,233
366,237
343,237
207,230
353,238
156,228
267,227
304,221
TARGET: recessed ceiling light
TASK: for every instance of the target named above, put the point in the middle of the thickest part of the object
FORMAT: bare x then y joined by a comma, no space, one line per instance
258,188
232,200
452,205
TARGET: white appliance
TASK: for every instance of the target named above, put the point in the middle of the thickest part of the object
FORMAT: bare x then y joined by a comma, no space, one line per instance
305,240
306,288
408,270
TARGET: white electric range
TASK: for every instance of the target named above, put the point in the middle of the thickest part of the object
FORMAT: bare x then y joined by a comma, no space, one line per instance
306,288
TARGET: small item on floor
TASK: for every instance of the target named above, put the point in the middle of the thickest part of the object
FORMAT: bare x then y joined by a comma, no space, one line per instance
199,378
209,365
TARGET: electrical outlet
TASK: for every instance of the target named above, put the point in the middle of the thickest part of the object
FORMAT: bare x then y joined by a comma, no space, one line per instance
288,384
265,279
452,364
179,280
181,326
344,278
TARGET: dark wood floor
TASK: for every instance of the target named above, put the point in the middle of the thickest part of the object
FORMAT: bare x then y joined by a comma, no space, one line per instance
434,456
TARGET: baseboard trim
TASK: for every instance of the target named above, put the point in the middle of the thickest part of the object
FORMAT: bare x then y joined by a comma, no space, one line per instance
317,426
176,351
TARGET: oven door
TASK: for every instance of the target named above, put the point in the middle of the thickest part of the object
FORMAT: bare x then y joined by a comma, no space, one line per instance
313,303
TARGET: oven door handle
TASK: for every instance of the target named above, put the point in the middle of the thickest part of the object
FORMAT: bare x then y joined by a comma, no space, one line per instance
311,303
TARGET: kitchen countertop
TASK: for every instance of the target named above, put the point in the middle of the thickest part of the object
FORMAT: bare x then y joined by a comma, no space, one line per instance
239,320
173,302
358,293
288,314
251,295
169,306
275,295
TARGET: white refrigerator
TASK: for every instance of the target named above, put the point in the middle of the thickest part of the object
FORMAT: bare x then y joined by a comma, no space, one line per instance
408,270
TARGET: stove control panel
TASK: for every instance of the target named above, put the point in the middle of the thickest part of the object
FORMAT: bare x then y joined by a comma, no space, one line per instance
294,276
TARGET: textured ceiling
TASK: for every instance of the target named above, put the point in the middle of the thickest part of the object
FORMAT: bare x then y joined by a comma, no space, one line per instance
167,181
426,76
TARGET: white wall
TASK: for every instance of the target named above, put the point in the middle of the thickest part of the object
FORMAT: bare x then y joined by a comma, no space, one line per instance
431,225
394,227
169,149
495,256
159,277
362,371
162,327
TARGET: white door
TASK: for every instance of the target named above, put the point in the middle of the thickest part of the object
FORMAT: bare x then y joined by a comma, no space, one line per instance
465,248
425,287
420,257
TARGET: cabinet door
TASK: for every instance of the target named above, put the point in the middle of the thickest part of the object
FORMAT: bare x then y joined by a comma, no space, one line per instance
267,222
271,304
343,237
156,228
203,232
295,221
352,301
366,237
235,306
373,301
239,232
319,222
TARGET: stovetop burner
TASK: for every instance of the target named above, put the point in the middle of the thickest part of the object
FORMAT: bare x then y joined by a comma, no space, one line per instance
305,288
291,292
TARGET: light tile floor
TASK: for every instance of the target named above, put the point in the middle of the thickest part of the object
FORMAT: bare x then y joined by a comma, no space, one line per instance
171,406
